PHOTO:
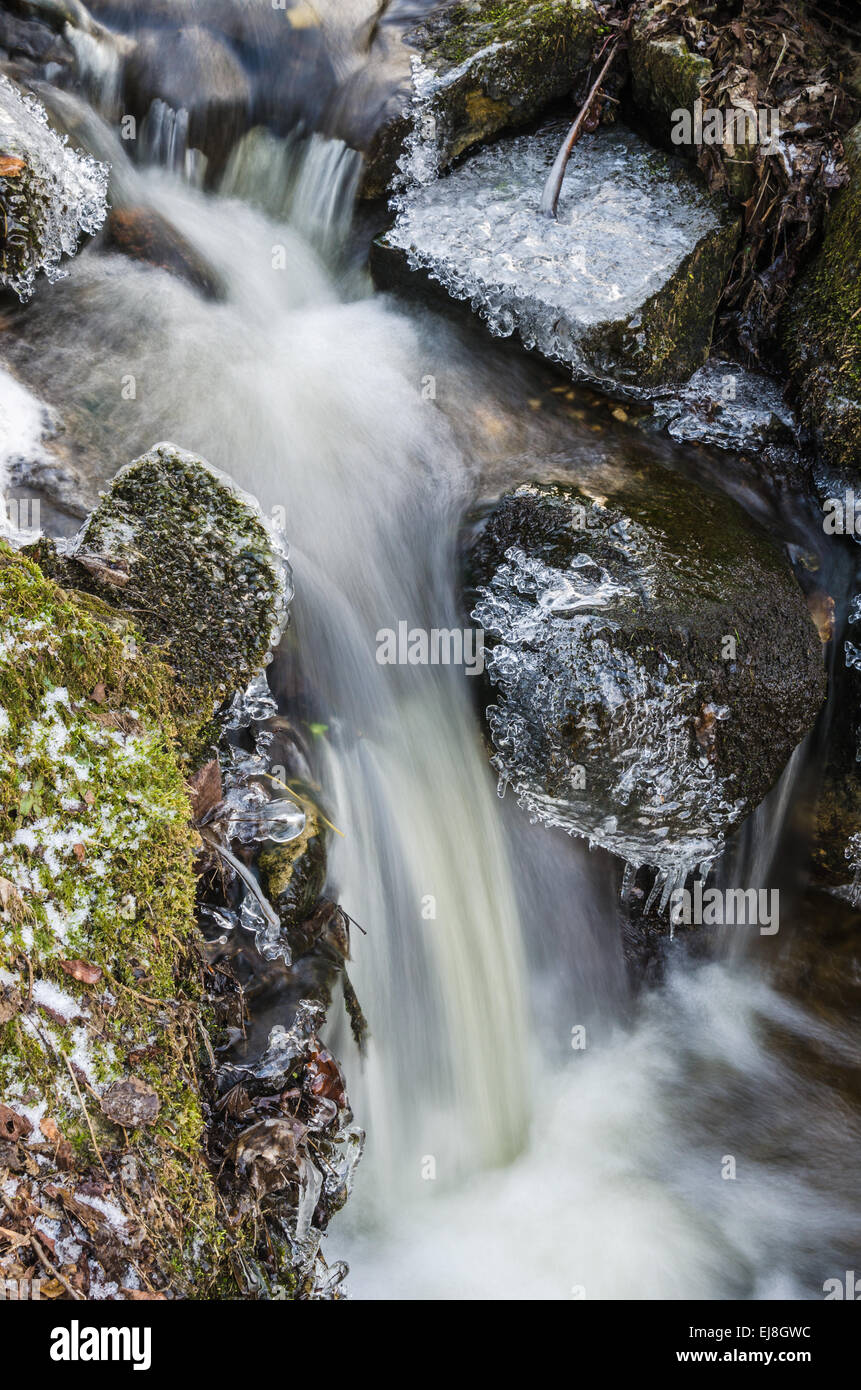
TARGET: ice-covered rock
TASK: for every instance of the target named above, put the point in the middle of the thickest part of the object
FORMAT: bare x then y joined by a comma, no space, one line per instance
431,90
654,661
729,406
49,194
622,288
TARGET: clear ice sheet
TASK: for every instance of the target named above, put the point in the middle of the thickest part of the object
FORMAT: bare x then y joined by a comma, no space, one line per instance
647,797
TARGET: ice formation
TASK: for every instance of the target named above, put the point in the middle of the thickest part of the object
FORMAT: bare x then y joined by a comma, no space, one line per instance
58,195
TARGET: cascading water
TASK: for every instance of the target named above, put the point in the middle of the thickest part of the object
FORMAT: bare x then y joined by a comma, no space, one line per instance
506,1159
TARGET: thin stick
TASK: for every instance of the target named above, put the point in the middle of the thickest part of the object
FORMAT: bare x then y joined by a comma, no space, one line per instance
244,873
87,1118
61,1278
553,186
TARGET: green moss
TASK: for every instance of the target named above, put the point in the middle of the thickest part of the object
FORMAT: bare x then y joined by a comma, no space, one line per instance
821,330
175,546
671,335
96,848
294,874
665,74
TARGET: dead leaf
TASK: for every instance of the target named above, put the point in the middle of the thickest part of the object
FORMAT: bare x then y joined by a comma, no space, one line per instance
131,1103
12,1125
82,970
205,789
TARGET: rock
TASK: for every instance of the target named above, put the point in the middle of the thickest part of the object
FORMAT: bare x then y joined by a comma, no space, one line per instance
131,1103
464,74
49,195
646,695
230,67
145,235
665,76
194,70
622,289
31,39
177,545
294,874
728,406
821,335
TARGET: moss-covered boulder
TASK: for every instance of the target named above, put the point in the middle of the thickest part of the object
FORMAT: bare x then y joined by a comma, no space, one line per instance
469,71
100,986
821,334
646,695
49,195
666,75
622,287
175,543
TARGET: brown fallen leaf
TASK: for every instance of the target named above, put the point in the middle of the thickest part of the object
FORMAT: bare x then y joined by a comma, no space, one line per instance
49,1129
12,1125
82,970
10,167
80,852
99,693
205,788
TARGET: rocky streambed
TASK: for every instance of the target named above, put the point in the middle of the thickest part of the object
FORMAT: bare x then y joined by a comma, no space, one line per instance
191,785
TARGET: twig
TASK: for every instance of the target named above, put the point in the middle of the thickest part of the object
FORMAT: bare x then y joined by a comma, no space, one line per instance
61,1278
31,1240
87,1118
778,63
244,873
553,186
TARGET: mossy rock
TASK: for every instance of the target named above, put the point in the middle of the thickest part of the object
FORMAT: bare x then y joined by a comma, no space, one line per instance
101,985
647,695
665,76
491,65
174,544
622,287
821,334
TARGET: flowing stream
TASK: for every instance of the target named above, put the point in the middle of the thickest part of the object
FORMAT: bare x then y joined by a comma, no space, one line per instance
504,1160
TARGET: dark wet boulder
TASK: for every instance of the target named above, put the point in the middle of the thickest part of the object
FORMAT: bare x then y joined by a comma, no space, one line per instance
821,334
653,660
194,70
145,235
